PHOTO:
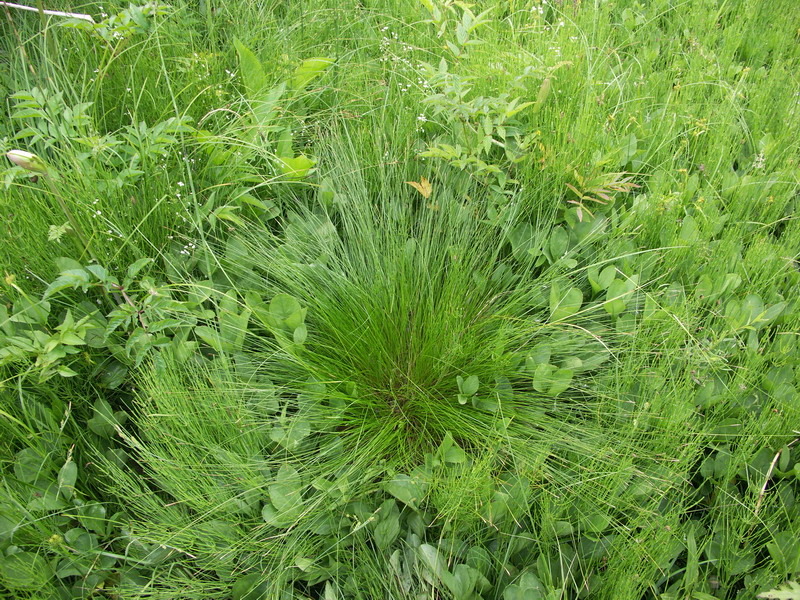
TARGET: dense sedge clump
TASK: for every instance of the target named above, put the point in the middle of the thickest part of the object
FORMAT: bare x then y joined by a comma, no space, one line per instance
416,378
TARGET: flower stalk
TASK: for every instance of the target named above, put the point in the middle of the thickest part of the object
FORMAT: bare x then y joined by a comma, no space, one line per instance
31,162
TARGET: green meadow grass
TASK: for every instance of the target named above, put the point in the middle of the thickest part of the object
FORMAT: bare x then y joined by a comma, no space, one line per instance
561,364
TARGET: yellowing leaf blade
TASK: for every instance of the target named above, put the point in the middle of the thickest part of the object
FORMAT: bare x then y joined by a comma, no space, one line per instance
423,186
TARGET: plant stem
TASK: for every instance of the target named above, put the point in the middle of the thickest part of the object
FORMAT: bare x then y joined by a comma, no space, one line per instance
70,217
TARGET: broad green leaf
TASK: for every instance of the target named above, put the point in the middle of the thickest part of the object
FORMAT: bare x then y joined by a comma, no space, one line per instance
433,560
785,551
65,371
542,377
286,492
264,111
93,518
284,307
615,297
773,312
100,272
300,334
527,587
629,148
291,433
539,354
607,276
67,477
308,70
64,263
453,48
6,326
253,76
29,464
468,386
296,168
513,108
558,243
81,540
480,559
113,374
252,586
753,307
73,567
596,522
330,592
785,459
285,313
59,284
601,279
406,489
283,149
652,310
744,562
210,336
133,269
563,307
10,517
523,240
233,328
272,516
253,201
386,531
730,283
228,213
449,451
81,277
462,581
549,380
45,497
327,192
105,420
690,232
739,314
563,528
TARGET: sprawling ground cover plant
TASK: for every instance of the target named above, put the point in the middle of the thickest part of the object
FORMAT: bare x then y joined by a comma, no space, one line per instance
400,300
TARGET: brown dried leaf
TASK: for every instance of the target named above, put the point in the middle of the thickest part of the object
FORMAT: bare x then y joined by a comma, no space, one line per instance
423,187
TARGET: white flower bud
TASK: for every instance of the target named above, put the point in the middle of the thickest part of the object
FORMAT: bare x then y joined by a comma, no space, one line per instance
27,160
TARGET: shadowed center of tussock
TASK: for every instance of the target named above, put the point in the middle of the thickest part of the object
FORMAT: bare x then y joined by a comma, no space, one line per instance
403,373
